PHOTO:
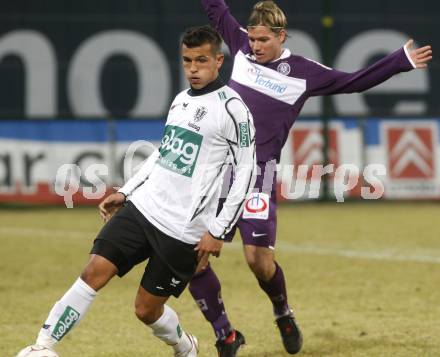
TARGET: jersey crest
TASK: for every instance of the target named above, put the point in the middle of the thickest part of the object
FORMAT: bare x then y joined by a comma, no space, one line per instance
200,113
284,68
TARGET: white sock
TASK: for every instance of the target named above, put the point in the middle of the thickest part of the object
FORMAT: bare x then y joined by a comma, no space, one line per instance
168,329
66,313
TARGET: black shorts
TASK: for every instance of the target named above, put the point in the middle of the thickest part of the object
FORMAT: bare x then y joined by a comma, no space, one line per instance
128,239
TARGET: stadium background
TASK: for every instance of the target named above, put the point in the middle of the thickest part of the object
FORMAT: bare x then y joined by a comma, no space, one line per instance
82,80
104,64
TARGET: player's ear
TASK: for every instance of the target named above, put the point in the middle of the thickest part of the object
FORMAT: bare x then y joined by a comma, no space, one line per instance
282,35
220,59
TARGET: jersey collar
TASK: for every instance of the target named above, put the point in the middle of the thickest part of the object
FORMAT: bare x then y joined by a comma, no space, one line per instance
211,87
285,54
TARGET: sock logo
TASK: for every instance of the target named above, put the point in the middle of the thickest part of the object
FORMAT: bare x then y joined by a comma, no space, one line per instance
202,304
65,323
277,298
179,331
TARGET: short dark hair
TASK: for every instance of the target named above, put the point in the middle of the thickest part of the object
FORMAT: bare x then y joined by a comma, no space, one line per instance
198,36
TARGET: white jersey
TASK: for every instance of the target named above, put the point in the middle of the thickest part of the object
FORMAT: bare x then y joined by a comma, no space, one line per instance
179,186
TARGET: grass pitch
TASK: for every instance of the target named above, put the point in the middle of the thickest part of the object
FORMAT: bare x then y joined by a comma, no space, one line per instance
363,279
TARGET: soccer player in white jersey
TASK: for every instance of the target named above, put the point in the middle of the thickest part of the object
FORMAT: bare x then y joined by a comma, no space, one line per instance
275,84
167,212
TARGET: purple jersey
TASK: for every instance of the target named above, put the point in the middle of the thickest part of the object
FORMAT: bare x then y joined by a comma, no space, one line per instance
275,92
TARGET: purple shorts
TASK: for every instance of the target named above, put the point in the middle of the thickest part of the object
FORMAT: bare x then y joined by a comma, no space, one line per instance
258,222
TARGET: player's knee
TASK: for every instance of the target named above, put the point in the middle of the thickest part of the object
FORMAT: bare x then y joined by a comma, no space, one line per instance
146,313
97,275
252,262
91,277
201,271
261,269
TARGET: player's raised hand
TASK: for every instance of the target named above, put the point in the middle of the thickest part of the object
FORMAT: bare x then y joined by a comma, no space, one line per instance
110,205
420,56
208,245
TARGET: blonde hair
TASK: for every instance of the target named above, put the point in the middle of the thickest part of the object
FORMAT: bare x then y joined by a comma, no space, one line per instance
267,13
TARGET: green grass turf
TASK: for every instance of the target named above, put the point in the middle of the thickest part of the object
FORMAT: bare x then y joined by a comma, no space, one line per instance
363,279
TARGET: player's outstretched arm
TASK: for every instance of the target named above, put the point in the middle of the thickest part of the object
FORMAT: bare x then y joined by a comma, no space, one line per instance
327,81
222,20
419,56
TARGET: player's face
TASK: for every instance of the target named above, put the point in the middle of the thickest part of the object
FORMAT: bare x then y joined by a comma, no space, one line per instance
201,65
265,44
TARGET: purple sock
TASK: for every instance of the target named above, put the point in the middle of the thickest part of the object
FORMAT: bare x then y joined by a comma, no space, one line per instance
275,288
206,290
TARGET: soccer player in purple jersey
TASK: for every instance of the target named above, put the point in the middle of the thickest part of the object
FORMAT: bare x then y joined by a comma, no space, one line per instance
275,84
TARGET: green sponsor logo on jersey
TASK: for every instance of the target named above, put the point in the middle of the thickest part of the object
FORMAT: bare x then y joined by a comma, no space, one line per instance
179,331
69,317
179,150
244,135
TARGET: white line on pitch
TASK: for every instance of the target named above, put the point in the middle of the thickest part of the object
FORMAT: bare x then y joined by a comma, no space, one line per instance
42,232
282,247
